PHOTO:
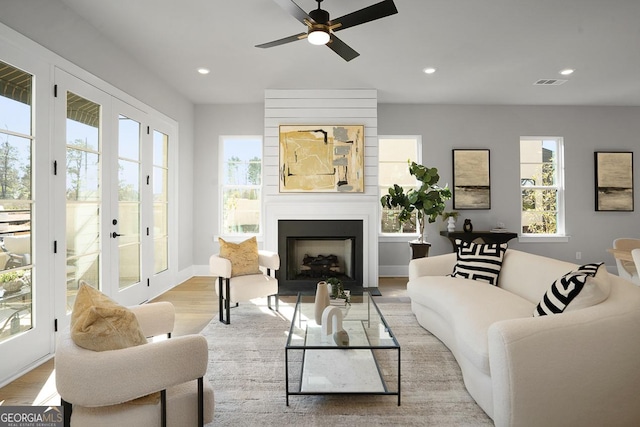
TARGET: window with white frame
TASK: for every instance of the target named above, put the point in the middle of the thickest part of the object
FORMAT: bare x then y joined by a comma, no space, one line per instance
542,186
394,155
241,184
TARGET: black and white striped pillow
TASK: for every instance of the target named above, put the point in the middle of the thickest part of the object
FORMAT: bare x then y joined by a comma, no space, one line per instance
479,261
565,289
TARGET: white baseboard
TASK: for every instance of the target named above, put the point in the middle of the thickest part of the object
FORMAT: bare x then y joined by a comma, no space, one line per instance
393,270
200,270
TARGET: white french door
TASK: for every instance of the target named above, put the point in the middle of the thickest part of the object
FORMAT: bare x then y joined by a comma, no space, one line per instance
108,171
82,173
127,191
26,314
85,195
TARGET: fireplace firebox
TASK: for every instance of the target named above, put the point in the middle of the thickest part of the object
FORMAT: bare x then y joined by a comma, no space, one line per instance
314,250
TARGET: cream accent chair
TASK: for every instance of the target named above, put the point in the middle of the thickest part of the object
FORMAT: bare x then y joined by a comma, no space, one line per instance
231,290
97,387
627,269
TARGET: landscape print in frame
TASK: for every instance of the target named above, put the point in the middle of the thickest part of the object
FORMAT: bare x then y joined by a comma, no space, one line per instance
471,182
322,158
614,181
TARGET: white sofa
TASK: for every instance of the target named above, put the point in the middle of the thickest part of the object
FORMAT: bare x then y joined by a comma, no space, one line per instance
577,368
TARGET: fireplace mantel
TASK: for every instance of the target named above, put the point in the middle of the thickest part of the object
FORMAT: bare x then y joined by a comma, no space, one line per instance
367,212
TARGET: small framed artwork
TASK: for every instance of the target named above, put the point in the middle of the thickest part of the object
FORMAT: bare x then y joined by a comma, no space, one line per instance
322,158
614,181
471,179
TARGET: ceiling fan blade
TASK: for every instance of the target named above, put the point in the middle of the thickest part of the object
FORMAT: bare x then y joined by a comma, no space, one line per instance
283,41
368,14
342,49
295,10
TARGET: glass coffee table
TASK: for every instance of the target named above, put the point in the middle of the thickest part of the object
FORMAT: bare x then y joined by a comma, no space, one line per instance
315,364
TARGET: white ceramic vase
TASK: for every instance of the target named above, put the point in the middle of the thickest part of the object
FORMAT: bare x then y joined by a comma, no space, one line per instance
322,300
451,224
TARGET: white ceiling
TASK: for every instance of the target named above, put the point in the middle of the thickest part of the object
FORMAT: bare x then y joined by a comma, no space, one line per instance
485,51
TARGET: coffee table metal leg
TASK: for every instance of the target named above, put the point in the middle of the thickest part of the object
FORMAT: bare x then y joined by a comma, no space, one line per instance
399,376
286,373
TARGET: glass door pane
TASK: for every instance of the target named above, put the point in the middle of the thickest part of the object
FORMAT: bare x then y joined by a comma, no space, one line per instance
16,204
83,198
128,201
160,201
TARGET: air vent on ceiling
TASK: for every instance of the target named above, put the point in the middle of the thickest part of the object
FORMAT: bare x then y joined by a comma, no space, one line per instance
550,82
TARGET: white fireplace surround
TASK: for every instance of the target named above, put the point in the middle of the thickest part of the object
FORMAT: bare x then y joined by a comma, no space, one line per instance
304,210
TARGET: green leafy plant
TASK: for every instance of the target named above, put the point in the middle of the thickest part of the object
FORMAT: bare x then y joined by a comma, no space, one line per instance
337,289
427,200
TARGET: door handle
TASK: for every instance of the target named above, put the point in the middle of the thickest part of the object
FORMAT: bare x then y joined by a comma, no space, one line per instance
114,235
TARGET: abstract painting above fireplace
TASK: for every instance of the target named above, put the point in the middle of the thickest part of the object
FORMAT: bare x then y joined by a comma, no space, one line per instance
320,158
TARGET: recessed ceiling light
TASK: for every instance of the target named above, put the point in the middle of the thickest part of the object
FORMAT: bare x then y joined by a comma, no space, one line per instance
429,70
567,71
203,70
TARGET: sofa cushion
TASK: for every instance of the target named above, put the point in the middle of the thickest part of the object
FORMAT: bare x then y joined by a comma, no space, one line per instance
98,323
243,256
566,289
479,261
469,307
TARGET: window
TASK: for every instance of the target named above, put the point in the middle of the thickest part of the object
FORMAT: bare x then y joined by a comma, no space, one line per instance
542,186
241,182
394,153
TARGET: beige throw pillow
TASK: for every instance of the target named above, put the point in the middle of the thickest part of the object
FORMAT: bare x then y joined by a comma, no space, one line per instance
98,323
243,256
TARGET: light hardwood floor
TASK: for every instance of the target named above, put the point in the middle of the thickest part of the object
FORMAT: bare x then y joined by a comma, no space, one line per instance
196,305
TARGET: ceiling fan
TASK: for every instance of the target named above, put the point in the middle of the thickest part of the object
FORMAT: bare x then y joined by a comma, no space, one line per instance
321,29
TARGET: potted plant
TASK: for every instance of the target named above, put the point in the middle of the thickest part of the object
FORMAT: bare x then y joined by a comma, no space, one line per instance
427,201
337,290
12,281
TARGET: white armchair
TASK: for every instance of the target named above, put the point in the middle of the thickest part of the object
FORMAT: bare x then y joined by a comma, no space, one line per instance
97,387
231,290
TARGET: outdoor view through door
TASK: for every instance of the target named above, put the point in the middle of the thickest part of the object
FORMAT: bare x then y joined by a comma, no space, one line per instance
16,136
128,201
84,200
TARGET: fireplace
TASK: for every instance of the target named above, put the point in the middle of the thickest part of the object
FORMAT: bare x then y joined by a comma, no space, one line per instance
314,250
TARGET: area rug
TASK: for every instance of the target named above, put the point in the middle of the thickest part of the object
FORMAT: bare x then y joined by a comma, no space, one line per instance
246,369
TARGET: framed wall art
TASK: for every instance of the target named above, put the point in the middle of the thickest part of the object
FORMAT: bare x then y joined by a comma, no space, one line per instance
471,180
319,158
614,181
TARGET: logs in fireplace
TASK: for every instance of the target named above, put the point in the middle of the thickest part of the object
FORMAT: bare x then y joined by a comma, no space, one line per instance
320,266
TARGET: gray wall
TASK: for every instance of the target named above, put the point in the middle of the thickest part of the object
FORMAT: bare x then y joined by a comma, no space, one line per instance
443,128
212,121
498,128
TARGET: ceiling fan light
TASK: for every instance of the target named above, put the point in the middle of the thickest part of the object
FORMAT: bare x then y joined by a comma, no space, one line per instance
318,36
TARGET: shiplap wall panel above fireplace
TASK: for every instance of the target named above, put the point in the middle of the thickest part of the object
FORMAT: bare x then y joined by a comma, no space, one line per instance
323,107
